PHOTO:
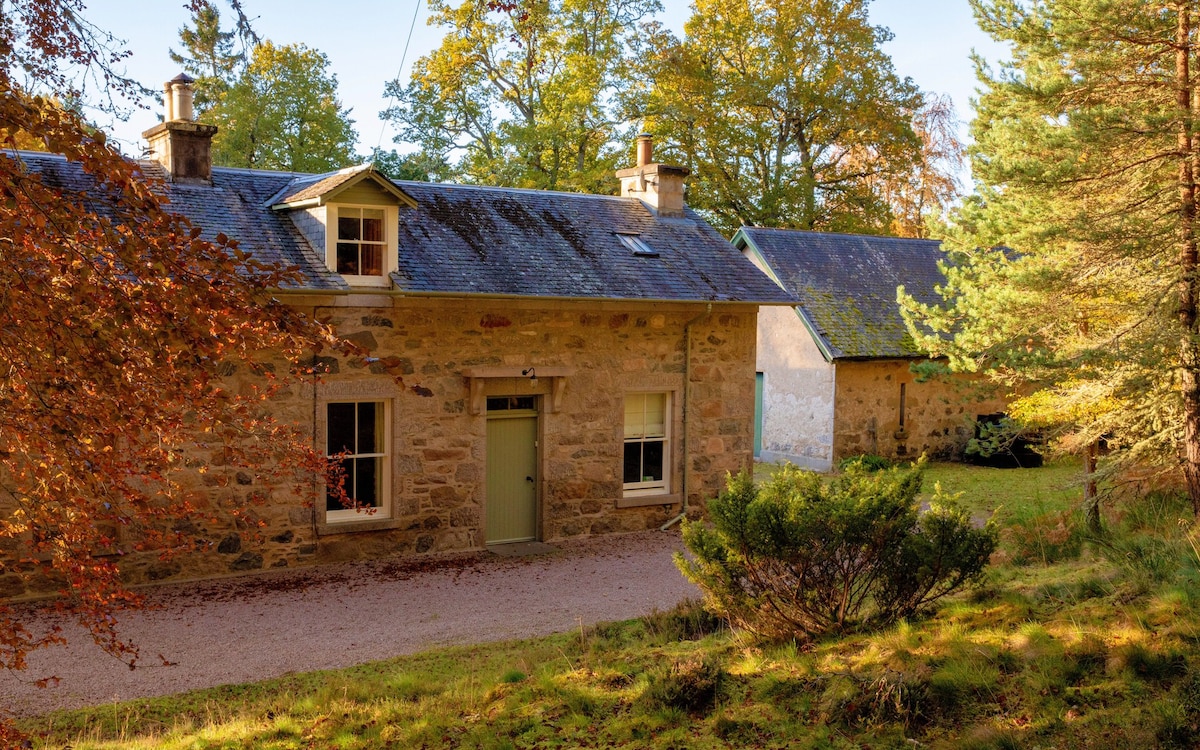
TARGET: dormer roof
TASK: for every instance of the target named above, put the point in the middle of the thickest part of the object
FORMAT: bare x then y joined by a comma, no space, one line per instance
319,189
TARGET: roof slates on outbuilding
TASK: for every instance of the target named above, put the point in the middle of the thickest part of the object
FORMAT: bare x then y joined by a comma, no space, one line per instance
847,285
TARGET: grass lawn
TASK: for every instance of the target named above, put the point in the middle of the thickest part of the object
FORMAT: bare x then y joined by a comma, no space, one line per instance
1066,644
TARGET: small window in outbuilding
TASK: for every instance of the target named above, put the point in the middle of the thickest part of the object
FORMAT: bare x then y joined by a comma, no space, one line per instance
635,243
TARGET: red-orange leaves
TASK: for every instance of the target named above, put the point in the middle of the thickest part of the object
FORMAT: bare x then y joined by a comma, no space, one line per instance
119,327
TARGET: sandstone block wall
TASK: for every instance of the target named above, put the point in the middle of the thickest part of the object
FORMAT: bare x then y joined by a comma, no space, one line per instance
438,447
938,415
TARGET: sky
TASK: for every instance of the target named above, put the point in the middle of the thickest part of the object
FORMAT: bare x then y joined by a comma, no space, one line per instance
365,43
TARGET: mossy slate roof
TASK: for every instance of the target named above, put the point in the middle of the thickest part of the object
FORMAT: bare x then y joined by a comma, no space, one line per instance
476,240
847,284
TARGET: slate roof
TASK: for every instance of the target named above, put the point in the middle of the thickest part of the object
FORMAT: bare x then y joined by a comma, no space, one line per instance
474,240
847,285
479,241
234,204
314,185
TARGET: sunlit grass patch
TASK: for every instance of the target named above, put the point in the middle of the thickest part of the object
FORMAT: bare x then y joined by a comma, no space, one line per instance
1083,652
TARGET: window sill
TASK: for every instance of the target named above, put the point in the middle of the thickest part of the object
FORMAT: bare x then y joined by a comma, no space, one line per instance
378,282
642,501
350,527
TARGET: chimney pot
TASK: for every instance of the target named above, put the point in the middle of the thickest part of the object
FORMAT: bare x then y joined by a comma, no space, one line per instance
645,149
179,99
659,186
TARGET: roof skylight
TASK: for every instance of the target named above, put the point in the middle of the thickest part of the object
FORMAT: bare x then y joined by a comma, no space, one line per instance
635,243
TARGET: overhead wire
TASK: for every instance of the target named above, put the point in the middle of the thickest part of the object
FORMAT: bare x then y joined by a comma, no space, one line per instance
403,58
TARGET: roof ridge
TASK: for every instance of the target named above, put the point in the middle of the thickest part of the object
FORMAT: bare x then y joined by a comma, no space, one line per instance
503,189
859,235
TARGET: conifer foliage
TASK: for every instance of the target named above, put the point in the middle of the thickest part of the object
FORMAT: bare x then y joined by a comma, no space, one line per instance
800,557
1075,266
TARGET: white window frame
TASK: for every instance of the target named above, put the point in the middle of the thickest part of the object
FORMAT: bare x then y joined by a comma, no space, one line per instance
655,487
391,219
384,509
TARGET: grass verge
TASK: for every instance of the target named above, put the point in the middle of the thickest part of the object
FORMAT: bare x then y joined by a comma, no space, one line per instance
1094,646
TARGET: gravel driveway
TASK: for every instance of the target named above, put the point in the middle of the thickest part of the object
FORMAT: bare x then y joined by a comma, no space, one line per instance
254,628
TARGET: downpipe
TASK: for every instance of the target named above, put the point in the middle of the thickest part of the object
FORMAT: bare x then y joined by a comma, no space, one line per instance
687,406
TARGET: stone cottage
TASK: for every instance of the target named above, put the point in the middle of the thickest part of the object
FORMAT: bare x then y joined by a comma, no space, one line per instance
834,376
573,364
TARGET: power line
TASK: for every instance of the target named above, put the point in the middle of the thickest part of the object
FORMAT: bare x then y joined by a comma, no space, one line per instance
403,57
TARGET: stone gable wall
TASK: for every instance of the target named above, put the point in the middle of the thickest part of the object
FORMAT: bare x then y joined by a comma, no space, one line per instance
438,446
938,415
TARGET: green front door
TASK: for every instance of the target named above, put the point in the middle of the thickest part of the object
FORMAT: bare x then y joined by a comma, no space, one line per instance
511,477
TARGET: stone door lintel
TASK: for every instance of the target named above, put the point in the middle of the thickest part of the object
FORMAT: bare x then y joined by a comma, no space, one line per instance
478,379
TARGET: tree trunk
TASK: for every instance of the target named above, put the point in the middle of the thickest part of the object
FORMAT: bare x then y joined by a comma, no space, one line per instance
1189,349
1091,496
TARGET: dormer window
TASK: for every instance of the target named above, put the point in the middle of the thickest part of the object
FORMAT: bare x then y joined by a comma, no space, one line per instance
354,216
361,241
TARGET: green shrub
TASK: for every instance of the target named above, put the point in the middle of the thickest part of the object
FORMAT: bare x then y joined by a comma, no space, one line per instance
865,462
798,557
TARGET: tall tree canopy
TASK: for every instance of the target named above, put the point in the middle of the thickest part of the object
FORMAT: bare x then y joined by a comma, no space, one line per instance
283,112
787,112
526,94
116,323
210,56
1085,153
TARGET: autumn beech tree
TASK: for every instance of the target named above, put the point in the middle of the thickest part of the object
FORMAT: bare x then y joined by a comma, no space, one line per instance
117,324
788,113
1075,265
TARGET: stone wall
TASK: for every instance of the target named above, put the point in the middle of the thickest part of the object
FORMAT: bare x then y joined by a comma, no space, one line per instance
798,388
441,349
938,415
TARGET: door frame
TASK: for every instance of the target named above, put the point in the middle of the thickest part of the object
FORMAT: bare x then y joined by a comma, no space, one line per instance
536,414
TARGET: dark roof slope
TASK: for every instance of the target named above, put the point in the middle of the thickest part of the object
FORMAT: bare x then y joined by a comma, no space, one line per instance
234,204
847,285
477,240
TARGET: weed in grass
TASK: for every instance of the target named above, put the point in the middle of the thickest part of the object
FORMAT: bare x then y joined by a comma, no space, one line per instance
1087,658
1043,538
960,682
1151,665
512,676
737,733
989,737
686,621
688,685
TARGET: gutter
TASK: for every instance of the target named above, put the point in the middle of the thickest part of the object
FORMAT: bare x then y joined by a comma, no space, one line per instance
687,405
402,293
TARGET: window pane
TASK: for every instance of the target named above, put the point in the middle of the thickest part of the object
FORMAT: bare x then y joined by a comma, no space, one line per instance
347,258
366,482
635,415
339,429
369,433
652,461
633,463
349,225
331,501
372,225
656,414
372,260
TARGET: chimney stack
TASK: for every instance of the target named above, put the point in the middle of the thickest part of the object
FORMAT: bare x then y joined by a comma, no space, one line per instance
181,146
659,186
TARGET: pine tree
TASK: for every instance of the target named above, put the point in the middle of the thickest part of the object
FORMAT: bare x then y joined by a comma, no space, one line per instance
1074,268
